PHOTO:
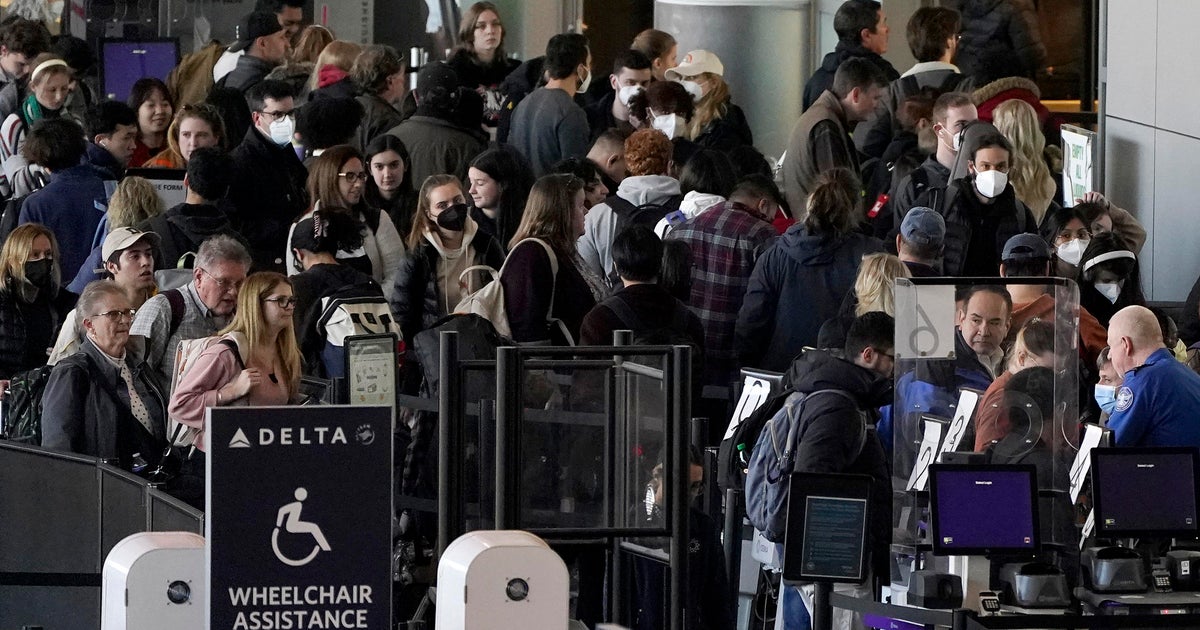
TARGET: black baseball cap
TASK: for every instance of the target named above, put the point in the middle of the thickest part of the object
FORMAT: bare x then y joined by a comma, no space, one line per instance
255,25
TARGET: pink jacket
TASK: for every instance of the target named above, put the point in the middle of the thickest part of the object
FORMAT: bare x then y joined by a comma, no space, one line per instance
217,366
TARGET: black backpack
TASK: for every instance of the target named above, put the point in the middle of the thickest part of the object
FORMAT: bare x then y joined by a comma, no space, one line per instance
23,405
647,214
733,455
673,334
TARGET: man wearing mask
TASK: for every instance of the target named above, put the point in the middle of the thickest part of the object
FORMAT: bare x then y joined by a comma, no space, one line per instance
982,211
952,112
268,186
265,44
631,74
548,127
820,141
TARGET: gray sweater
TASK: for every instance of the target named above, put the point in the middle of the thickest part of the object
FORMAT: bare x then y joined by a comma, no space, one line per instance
548,127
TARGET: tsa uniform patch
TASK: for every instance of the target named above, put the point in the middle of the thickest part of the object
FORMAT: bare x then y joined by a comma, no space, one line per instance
1124,398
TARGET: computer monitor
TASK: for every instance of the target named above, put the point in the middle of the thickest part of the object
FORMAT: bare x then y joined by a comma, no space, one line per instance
124,61
1145,492
983,509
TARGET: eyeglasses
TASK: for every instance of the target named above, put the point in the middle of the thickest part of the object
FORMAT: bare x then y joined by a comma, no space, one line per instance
278,115
283,302
222,283
117,314
354,177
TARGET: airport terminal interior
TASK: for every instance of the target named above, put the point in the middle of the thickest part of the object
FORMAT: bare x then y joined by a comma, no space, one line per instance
598,314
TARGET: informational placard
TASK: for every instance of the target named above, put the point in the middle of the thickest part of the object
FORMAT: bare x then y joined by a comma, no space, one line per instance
1083,459
826,534
927,454
371,370
167,182
299,520
924,321
1079,156
755,391
963,413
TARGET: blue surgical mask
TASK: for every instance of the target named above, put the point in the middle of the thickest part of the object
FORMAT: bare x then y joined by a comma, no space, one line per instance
1106,397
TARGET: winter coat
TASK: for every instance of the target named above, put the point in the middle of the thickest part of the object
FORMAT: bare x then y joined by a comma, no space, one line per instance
192,79
417,300
516,86
183,228
1000,38
796,285
436,145
528,290
83,411
831,427
600,223
822,79
871,136
727,132
819,141
26,330
249,72
71,205
976,232
378,117
268,193
485,80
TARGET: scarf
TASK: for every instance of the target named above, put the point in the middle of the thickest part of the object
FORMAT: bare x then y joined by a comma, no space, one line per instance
32,111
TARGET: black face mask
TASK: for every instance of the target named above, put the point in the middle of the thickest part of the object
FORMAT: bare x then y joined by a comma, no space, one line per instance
37,272
453,218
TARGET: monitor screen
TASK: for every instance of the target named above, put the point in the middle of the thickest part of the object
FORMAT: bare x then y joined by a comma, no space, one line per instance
125,61
983,509
1145,492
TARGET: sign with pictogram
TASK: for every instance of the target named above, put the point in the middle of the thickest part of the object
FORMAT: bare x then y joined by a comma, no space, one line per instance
299,521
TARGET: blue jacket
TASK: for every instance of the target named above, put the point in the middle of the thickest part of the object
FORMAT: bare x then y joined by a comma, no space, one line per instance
796,285
71,205
1157,403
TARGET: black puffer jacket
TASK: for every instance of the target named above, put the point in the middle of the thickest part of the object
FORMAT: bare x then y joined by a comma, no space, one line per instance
417,301
268,192
822,79
830,430
27,331
976,232
728,132
1000,38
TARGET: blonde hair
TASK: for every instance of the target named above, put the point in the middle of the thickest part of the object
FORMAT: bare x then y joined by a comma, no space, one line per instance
711,107
313,39
250,321
421,223
18,247
874,285
1029,174
134,201
338,53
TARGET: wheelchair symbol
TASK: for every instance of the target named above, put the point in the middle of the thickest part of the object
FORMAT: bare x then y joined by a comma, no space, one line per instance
289,519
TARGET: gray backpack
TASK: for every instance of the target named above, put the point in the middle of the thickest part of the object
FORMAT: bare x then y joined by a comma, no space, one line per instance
772,462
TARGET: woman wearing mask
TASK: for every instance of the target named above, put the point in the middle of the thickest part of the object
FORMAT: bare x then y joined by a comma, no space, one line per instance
254,361
1109,277
1034,347
195,126
337,180
480,60
380,74
665,106
1029,175
718,123
499,181
390,186
444,241
104,400
29,278
545,293
1065,229
49,84
151,99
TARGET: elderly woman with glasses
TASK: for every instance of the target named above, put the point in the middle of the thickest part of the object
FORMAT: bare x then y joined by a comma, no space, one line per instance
253,361
104,400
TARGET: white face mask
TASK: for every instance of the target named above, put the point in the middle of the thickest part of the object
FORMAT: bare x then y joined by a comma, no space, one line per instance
671,124
282,130
694,89
587,83
627,93
1110,290
1071,252
990,183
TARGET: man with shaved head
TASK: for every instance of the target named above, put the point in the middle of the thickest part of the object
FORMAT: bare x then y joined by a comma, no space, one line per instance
1157,403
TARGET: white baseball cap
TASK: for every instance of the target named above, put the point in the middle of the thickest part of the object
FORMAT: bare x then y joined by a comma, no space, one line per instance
694,63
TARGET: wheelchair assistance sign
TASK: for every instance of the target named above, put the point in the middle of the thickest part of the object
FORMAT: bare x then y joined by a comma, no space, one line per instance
299,520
